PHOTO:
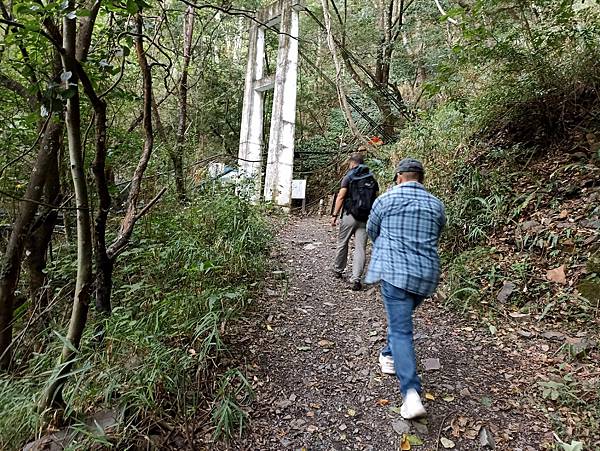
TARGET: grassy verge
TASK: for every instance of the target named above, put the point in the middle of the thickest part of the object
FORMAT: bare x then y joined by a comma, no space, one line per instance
520,186
188,274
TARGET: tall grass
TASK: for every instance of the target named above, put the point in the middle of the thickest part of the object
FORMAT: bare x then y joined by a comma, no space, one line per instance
183,279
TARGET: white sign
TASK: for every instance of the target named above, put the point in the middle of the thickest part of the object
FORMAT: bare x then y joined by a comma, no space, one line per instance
215,169
298,189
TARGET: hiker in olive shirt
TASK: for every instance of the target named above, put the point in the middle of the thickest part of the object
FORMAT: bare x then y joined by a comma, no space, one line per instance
354,200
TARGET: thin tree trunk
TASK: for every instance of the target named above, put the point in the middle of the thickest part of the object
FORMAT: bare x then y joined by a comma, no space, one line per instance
66,193
10,269
177,154
106,256
104,265
338,75
41,235
382,64
13,256
131,213
53,396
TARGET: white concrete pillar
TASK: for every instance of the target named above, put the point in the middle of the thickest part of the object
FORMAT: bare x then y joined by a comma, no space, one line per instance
280,160
251,130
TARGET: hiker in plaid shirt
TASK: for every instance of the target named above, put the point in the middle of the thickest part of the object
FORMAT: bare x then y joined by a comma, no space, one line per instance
405,226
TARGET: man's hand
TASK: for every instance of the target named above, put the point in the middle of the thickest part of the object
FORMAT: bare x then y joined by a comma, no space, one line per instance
333,220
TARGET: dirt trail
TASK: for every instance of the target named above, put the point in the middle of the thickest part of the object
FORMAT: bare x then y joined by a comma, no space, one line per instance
312,349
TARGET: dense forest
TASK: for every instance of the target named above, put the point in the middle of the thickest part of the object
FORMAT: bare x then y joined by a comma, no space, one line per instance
125,263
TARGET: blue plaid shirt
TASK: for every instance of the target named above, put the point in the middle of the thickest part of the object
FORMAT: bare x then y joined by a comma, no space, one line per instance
405,226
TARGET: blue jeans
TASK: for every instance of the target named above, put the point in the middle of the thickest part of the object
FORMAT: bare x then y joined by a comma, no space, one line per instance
399,306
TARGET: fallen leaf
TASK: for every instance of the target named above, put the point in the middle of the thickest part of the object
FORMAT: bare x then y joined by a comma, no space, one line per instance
471,433
448,398
326,343
519,316
557,275
351,412
269,328
404,443
414,440
429,396
552,335
383,402
447,443
486,401
493,329
525,333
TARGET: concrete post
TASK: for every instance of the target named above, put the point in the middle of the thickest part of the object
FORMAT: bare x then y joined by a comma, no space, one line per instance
280,160
251,131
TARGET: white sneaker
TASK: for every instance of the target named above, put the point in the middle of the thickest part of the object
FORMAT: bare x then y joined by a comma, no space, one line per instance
412,407
387,364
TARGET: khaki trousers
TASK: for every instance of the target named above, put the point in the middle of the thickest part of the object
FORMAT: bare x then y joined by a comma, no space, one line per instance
351,227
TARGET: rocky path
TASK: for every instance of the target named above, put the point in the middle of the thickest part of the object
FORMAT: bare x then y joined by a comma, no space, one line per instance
311,348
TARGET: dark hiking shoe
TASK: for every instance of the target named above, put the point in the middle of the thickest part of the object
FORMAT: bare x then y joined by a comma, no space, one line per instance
336,274
356,286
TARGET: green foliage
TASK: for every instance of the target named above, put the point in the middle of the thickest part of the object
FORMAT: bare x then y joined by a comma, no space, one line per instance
505,108
568,392
179,286
227,414
17,403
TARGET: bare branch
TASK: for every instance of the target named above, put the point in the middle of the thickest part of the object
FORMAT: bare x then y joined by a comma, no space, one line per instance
150,204
441,9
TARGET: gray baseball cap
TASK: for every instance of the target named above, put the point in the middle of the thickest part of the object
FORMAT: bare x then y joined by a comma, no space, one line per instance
409,165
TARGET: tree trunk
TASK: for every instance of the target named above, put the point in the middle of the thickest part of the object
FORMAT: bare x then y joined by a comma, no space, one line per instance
338,75
10,269
13,256
131,213
53,396
103,263
63,171
177,154
41,234
106,256
382,64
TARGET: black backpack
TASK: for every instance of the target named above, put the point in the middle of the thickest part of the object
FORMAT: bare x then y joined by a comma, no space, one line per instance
362,191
